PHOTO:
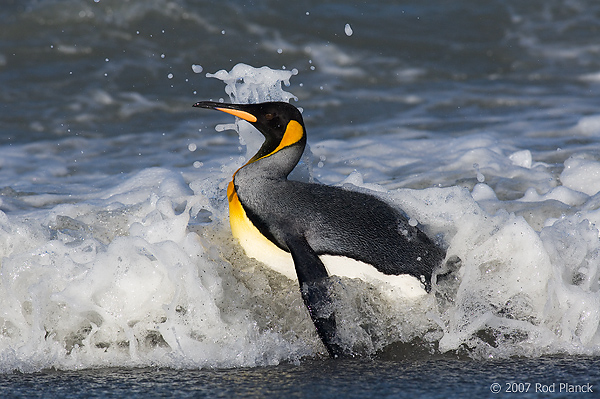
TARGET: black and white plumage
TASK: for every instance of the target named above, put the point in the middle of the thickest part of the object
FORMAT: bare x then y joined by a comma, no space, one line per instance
323,230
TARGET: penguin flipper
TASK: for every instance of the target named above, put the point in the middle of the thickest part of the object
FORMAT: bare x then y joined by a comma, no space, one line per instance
316,293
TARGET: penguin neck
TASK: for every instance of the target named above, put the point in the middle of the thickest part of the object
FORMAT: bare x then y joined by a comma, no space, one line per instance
277,165
277,157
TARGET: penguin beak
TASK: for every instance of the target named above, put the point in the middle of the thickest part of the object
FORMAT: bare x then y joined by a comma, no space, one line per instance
233,109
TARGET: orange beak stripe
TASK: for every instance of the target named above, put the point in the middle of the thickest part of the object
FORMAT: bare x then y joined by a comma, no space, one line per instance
240,114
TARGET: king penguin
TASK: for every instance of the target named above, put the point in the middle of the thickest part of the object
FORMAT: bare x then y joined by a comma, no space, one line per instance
324,230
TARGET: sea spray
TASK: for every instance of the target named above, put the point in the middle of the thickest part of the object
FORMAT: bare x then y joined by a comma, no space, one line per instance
245,84
141,270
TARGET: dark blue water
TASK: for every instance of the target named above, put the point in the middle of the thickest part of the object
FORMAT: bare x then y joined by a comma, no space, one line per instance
359,378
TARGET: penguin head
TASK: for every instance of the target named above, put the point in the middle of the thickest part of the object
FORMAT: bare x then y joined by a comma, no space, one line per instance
281,123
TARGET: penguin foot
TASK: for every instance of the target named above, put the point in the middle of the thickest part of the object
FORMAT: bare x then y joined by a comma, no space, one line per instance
317,296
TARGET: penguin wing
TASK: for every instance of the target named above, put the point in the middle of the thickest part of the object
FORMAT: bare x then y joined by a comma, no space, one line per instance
315,288
356,225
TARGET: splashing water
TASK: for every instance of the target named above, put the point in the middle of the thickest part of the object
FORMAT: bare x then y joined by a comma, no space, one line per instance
136,275
248,85
143,271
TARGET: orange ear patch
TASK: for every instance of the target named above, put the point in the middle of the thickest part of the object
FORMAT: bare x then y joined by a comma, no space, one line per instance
293,134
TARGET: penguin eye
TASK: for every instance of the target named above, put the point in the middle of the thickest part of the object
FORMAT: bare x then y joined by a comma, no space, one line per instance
269,116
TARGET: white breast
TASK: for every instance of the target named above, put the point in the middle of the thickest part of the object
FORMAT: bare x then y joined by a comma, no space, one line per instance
259,248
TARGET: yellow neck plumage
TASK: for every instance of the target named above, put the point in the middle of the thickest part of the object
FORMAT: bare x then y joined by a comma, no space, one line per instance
293,133
241,226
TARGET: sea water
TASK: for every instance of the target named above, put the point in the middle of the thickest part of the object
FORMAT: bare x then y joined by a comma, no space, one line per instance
479,121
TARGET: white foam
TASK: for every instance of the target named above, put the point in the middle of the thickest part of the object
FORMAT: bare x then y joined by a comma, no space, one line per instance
521,158
140,269
246,84
588,126
581,174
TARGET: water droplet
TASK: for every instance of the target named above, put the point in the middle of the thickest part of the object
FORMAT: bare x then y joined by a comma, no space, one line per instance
348,30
